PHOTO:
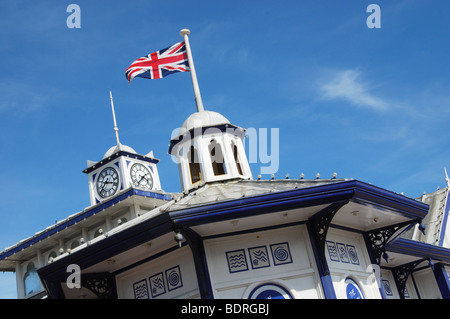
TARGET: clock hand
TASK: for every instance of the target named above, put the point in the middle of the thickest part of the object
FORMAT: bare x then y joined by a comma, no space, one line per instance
147,180
142,177
104,184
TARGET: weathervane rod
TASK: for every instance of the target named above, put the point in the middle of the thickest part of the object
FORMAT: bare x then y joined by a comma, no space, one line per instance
198,99
116,129
447,180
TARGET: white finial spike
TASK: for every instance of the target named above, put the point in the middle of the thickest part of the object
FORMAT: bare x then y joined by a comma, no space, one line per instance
198,99
447,180
116,129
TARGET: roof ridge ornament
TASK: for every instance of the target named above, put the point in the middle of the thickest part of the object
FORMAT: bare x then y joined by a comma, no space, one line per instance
116,129
447,180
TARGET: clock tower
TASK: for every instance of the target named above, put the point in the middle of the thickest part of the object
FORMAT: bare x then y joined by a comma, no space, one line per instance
121,168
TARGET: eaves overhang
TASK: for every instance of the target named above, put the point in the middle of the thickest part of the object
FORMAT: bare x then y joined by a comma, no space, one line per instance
352,190
419,250
108,247
8,264
169,220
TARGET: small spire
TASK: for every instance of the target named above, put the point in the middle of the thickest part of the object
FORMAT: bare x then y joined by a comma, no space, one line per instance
447,180
116,129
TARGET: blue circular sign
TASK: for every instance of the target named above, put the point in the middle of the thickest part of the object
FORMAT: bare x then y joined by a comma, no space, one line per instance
269,291
352,289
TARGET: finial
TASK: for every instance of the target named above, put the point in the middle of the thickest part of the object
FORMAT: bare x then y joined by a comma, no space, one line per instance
185,32
447,180
116,129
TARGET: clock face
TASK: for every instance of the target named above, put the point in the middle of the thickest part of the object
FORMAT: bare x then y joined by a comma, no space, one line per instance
107,182
141,176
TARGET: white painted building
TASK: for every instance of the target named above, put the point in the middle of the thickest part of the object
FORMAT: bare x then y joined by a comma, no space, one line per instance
228,235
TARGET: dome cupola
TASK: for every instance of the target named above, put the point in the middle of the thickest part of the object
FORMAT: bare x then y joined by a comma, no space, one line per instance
208,148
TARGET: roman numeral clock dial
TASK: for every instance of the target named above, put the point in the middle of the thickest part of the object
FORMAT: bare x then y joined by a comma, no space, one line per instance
141,176
107,182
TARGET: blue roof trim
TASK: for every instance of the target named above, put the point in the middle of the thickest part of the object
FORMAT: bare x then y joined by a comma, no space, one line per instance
303,197
81,216
419,249
116,155
152,194
112,245
242,207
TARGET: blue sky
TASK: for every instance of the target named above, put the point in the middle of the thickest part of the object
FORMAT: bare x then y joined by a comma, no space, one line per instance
370,104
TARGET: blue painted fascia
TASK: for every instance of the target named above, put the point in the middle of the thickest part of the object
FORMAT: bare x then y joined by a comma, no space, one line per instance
118,154
261,204
238,208
109,246
81,216
420,250
303,197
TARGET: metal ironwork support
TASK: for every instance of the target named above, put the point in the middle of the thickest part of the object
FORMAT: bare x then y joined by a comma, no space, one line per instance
103,285
378,239
401,274
318,225
317,228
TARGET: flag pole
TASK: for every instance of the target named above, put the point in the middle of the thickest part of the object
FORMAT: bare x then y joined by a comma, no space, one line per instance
116,129
198,98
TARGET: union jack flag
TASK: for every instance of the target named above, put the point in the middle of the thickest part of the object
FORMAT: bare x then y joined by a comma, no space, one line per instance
160,63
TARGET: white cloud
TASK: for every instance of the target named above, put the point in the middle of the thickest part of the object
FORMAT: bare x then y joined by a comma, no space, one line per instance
347,85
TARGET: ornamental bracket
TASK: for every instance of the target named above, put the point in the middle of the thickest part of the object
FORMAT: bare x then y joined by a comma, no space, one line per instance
378,239
103,285
318,226
402,272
